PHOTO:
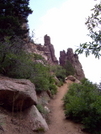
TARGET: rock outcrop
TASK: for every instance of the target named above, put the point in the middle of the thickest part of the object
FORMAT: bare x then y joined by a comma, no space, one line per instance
46,51
18,94
18,97
73,59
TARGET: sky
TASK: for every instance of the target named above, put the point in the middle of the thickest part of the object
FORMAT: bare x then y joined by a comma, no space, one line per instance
64,21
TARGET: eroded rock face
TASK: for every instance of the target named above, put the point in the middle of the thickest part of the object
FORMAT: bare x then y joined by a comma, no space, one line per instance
17,94
37,122
73,59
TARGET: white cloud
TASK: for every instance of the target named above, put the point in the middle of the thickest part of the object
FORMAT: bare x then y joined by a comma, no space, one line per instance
66,27
91,68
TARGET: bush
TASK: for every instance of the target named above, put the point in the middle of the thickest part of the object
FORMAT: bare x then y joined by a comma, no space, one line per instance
69,68
82,104
41,109
38,57
92,123
59,72
12,57
41,83
41,77
21,66
53,89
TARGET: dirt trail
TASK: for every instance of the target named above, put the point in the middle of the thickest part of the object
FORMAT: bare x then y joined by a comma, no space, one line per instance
58,123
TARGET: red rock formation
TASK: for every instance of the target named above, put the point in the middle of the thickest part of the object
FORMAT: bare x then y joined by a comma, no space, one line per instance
17,94
73,59
49,50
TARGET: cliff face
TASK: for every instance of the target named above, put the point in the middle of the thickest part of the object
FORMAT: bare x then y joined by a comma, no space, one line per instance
73,59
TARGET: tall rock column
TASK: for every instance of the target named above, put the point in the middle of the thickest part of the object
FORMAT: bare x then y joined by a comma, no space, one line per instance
49,50
62,58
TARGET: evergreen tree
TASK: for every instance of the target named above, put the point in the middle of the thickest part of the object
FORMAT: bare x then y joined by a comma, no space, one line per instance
13,14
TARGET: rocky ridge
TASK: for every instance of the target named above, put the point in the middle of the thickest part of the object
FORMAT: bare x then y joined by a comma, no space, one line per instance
48,52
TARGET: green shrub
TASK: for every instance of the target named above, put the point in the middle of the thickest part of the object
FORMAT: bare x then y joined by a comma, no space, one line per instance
69,68
41,83
38,57
41,109
59,72
40,77
10,51
59,84
21,66
53,89
92,123
82,104
51,79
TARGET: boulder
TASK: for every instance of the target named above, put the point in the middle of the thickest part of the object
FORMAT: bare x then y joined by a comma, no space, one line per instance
17,94
44,98
37,122
73,79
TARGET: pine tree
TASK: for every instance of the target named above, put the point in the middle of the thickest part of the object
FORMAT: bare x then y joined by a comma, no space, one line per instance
13,14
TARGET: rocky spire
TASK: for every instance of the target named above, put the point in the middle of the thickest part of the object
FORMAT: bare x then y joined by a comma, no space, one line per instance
73,59
49,50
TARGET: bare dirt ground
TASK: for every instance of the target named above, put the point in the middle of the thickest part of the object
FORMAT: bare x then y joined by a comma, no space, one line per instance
58,123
